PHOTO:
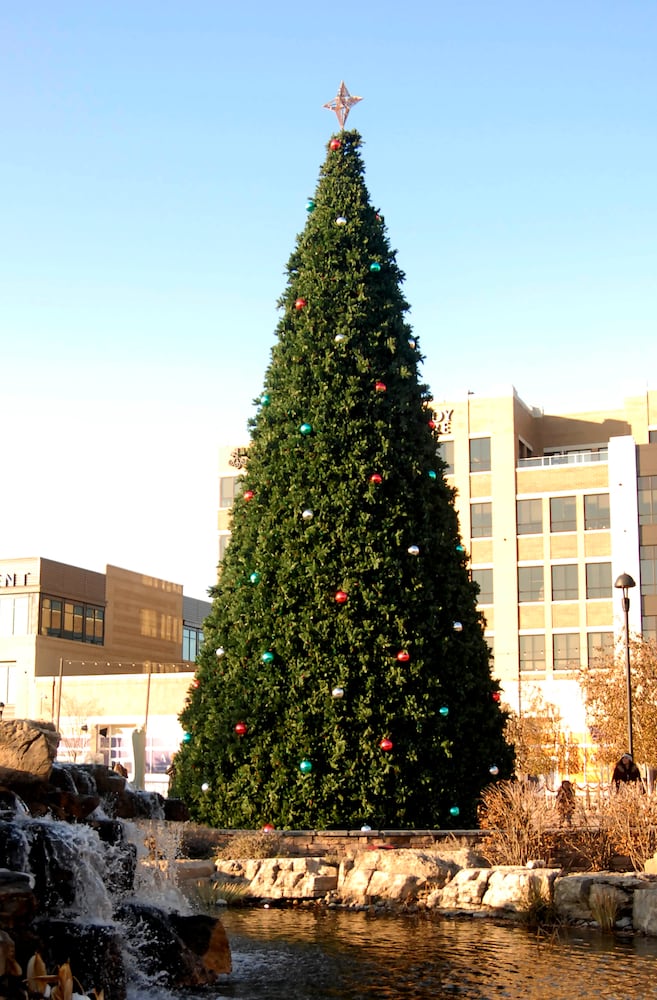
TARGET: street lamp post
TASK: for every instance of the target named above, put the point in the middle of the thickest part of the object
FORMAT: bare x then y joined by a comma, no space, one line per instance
625,583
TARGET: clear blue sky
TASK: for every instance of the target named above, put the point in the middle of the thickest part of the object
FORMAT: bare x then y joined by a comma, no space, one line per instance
156,158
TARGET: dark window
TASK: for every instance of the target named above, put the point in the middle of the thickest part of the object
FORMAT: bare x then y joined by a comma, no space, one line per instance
652,437
481,520
565,583
600,646
596,511
563,514
524,450
69,620
529,516
480,455
192,642
532,652
445,450
484,580
530,583
647,494
648,563
598,580
565,649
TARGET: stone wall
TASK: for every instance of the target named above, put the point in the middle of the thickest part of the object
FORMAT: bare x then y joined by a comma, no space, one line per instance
456,882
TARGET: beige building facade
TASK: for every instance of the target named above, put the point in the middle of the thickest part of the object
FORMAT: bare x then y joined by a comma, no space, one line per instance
104,656
552,508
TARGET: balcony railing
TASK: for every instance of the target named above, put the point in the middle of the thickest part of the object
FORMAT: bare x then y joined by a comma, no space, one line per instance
570,458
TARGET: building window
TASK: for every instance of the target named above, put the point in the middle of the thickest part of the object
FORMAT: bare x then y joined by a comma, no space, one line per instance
649,627
481,520
484,580
445,450
647,495
596,511
192,642
532,652
8,682
524,450
565,583
14,616
62,619
563,514
229,488
652,436
600,646
480,455
648,562
598,580
529,517
565,651
530,583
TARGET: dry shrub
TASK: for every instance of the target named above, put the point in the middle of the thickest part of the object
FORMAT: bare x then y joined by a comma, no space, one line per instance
519,820
200,841
605,904
253,844
590,839
632,818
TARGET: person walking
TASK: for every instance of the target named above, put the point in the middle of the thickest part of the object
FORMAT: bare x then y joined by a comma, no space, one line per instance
565,803
625,771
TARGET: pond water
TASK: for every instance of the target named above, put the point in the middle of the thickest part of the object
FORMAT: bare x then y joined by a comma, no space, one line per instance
287,954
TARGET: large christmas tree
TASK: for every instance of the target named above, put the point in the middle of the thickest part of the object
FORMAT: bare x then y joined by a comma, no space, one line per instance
345,678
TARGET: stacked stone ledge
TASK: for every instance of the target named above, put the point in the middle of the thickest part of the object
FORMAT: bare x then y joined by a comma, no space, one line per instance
450,883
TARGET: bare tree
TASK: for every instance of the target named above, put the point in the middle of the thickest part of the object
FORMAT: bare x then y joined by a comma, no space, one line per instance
539,740
604,686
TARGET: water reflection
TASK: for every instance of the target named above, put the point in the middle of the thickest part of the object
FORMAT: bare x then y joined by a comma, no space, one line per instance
299,955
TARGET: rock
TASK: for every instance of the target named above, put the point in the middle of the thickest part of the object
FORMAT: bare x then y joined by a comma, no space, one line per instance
164,953
206,937
27,751
510,888
95,953
464,892
393,874
574,894
644,909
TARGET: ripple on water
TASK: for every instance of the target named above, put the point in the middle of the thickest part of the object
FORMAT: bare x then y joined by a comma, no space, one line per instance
337,955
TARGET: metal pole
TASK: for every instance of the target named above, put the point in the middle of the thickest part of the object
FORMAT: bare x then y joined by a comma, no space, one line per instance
59,691
626,610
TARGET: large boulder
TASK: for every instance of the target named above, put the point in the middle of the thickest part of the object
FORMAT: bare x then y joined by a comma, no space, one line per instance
27,751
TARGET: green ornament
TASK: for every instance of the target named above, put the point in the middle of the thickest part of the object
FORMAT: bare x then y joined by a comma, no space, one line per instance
460,548
265,399
305,766
454,811
305,429
443,710
267,657
187,738
431,474
310,205
255,577
375,266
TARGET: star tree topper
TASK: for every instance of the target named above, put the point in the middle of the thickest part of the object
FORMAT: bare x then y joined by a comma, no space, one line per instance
342,103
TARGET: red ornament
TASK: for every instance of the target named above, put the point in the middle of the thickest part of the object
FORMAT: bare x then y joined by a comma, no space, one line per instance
432,424
341,597
300,304
334,144
380,386
386,744
496,696
268,828
376,478
196,682
248,495
241,728
403,656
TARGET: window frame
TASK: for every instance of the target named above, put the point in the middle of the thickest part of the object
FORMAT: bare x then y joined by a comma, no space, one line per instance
560,525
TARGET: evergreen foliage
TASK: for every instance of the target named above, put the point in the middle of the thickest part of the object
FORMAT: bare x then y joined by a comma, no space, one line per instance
342,402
